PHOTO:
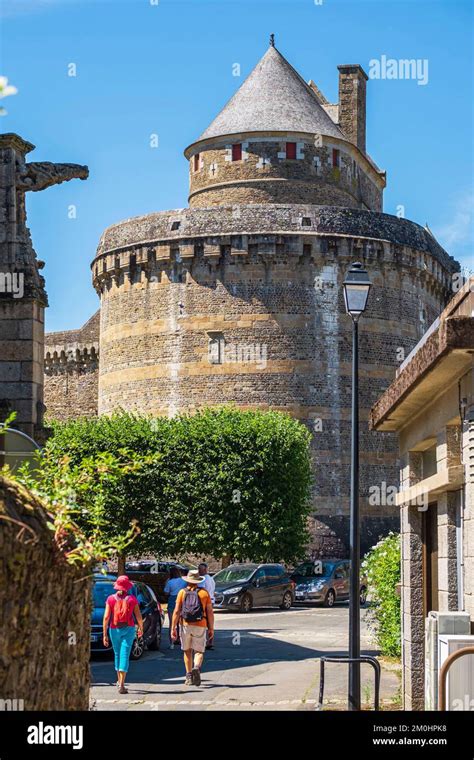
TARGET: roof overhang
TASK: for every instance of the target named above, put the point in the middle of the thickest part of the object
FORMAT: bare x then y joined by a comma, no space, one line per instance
447,354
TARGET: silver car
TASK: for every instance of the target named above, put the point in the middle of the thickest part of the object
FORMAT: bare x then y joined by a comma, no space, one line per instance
325,582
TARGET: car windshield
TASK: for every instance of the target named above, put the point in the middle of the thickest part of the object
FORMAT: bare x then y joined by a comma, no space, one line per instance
314,569
101,591
231,574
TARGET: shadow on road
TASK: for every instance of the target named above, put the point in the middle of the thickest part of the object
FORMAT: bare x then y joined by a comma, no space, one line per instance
243,648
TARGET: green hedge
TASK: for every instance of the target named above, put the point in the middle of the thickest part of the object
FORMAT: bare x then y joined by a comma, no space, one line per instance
220,482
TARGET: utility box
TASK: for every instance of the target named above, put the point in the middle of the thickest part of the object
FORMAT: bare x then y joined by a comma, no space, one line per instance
440,624
460,680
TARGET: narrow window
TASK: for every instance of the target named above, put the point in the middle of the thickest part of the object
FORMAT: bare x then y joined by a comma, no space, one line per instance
216,348
335,157
291,150
175,225
306,221
196,162
237,152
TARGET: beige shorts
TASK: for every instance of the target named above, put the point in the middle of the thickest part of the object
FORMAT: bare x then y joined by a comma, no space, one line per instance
193,637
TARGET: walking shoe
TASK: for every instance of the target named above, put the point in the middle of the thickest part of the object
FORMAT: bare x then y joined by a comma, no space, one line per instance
189,680
196,677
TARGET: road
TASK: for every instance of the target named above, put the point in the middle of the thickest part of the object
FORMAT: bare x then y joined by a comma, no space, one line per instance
266,660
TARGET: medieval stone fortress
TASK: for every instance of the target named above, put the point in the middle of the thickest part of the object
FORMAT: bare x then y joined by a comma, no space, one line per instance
238,298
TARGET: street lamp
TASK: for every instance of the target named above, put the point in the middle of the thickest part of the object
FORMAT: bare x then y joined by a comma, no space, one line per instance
356,292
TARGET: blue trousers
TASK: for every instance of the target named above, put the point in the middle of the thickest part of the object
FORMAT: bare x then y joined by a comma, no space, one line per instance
122,641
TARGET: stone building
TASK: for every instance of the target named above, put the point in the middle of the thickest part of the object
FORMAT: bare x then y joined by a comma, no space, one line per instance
430,404
238,297
71,365
22,292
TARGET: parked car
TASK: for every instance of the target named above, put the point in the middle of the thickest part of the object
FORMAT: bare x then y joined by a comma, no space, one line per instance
152,614
154,573
324,581
244,586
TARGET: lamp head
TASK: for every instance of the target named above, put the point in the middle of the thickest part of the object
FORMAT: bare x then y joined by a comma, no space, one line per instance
356,290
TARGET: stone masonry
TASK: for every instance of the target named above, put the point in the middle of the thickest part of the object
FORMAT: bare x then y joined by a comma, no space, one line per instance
238,298
22,294
71,382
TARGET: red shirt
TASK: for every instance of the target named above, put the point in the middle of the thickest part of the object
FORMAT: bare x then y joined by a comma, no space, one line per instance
131,600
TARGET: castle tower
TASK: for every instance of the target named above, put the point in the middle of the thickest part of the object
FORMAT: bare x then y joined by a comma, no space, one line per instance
238,298
279,141
22,293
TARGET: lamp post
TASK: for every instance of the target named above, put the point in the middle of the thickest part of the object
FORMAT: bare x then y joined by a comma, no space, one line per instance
356,292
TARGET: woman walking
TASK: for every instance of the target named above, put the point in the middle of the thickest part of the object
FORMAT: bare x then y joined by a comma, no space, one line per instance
120,609
172,588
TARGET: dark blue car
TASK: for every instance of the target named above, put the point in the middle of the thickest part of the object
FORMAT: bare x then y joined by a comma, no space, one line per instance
150,608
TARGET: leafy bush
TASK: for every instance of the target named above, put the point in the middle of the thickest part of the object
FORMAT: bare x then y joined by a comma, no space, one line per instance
220,482
381,565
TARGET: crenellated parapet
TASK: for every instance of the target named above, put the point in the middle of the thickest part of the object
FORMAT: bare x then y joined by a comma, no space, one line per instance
171,247
71,371
71,358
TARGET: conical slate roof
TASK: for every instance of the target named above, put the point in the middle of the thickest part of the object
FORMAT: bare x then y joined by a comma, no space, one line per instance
273,98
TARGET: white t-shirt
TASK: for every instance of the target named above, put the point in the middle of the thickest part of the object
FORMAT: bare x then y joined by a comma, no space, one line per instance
209,584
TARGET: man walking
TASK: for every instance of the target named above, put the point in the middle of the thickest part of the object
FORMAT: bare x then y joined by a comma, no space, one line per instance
210,585
195,617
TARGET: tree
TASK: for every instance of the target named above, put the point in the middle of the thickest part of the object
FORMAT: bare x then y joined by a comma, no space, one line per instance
220,482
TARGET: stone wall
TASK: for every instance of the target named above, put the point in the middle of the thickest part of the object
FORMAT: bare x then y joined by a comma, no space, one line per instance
22,298
45,607
468,548
72,371
265,175
22,293
258,320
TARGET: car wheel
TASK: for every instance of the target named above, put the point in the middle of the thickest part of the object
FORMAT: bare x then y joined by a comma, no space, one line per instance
246,603
155,643
138,648
287,601
330,598
363,596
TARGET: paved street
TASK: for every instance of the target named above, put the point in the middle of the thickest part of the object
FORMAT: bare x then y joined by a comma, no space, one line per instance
266,660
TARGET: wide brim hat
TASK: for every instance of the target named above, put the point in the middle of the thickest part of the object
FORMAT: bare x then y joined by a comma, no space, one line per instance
193,577
123,583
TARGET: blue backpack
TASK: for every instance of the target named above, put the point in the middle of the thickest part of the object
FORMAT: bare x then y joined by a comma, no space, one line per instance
192,610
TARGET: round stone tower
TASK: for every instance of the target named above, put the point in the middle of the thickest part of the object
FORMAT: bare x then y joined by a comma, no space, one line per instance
274,142
238,298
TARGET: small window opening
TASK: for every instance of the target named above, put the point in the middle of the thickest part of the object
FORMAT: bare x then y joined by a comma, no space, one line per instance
216,348
237,152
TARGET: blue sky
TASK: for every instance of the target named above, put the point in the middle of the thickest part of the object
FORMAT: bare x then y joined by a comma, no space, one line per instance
166,68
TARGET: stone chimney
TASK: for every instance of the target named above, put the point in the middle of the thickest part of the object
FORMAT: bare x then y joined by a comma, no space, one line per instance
352,96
